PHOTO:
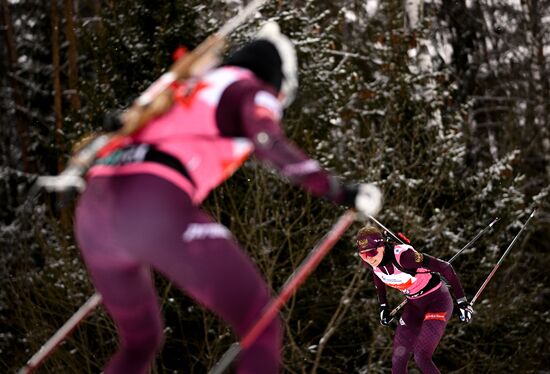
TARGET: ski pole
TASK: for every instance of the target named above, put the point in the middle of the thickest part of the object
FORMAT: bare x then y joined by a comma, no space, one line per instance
93,302
289,288
400,306
500,260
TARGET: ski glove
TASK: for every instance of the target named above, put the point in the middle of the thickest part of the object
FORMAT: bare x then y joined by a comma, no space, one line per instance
368,200
465,309
385,317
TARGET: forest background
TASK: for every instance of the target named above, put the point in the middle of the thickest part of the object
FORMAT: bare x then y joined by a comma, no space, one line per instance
444,104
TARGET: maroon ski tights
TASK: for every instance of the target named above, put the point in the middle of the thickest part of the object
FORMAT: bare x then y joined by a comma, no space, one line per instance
420,329
127,226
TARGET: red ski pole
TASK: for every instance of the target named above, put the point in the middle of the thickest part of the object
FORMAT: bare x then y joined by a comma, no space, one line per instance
44,351
500,260
288,289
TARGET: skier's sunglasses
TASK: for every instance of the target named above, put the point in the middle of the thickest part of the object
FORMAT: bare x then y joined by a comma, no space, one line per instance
369,252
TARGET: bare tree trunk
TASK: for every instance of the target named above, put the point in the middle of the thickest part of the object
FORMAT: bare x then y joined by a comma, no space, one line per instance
98,14
414,13
462,24
72,55
11,48
58,110
537,30
99,28
537,111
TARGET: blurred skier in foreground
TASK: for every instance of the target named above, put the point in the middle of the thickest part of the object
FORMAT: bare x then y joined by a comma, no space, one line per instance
429,304
140,211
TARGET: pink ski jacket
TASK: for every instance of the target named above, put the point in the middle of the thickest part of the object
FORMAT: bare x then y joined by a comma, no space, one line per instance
413,273
216,123
410,285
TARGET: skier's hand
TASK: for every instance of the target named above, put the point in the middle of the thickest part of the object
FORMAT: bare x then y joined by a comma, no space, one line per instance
112,121
368,200
385,317
61,183
465,311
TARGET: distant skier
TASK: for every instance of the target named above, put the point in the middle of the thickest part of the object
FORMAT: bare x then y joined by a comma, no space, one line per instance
140,210
429,306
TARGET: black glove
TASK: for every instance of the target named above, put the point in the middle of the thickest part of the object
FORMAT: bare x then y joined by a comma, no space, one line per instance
112,121
385,317
465,310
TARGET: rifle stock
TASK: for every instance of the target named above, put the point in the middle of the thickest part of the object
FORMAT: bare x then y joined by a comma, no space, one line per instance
157,99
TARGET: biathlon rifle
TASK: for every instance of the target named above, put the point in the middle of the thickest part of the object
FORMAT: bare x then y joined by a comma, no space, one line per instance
154,101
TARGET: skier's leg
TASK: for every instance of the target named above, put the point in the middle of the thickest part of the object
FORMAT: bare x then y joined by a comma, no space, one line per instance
216,273
125,285
404,339
427,342
435,320
202,258
129,297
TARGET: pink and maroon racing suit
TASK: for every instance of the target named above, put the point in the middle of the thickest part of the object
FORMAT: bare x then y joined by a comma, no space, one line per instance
140,211
429,307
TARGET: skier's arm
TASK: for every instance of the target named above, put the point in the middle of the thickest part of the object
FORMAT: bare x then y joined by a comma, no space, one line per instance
446,270
380,290
411,259
260,116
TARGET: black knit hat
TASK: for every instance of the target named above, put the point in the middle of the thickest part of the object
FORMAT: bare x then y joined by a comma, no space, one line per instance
262,58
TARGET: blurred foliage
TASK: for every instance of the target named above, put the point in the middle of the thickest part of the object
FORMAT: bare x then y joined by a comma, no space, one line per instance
448,154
